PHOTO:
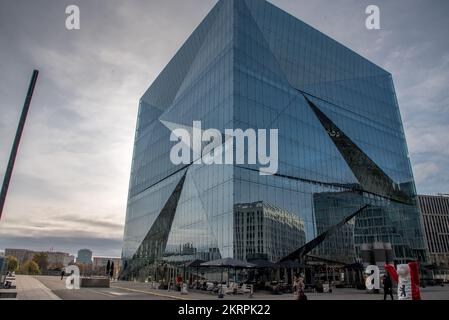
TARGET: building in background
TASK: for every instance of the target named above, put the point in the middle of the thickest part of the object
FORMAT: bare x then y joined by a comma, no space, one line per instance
435,216
68,259
84,256
55,259
262,231
59,259
250,65
22,255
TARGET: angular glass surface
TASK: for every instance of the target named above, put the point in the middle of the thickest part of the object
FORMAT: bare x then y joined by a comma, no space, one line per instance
250,65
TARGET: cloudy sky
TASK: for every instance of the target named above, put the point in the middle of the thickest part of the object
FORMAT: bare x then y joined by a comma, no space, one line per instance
70,182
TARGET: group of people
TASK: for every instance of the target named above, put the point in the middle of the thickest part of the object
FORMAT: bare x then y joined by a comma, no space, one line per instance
299,286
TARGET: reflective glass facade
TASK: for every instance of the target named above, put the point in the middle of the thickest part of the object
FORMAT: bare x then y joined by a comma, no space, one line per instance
341,144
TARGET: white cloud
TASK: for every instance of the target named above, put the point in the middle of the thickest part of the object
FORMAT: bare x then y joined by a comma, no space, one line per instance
424,171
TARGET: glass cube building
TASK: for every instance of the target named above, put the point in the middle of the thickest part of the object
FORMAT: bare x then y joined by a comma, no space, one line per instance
250,65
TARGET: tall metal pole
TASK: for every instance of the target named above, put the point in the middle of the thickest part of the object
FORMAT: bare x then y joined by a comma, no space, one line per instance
15,146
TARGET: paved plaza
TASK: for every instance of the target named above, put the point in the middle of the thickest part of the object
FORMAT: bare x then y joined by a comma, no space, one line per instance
30,288
53,288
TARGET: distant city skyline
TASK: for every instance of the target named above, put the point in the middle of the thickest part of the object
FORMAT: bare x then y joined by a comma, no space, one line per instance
75,253
70,184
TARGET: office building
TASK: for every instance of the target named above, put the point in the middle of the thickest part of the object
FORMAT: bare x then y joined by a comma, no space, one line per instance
250,65
435,215
84,256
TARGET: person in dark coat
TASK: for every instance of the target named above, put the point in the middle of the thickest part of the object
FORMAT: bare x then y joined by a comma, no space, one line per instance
111,271
388,287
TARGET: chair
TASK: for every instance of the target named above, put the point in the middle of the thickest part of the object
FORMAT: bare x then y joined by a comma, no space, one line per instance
244,289
210,286
232,289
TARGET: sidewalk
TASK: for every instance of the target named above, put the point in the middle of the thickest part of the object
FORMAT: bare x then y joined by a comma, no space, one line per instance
429,293
193,294
29,288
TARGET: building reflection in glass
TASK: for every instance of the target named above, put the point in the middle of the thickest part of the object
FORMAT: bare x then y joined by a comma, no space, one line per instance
263,231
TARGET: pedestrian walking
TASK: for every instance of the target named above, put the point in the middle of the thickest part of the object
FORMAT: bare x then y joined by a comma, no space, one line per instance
62,274
388,287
